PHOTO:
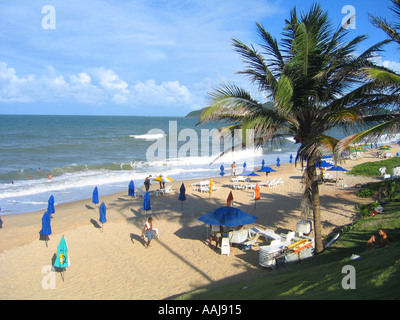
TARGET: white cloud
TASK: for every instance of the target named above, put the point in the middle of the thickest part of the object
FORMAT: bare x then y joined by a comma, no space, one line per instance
12,87
168,92
52,87
95,86
390,64
109,80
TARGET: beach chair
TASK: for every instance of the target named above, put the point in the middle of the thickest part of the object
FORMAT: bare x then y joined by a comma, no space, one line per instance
268,254
269,234
266,183
167,190
272,183
205,183
287,238
239,236
139,193
207,189
225,247
237,186
155,192
252,242
250,186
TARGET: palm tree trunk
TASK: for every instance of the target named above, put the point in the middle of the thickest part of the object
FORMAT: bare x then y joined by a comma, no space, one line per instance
314,195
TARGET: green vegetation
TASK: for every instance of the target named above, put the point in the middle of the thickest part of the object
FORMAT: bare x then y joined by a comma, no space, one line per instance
371,169
195,113
320,278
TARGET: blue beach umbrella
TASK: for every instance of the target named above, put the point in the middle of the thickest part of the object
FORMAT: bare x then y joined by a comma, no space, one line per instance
324,164
222,173
266,170
146,201
50,205
262,163
182,195
46,226
252,174
337,168
291,159
62,258
131,189
228,216
245,172
95,197
278,162
102,212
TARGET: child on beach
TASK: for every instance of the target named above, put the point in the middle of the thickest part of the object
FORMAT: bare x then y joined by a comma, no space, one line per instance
233,168
150,232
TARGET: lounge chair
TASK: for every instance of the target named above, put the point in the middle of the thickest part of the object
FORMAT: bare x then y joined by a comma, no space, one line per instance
205,189
201,183
139,193
237,186
269,234
272,183
155,192
268,254
239,236
225,247
250,186
266,183
167,190
240,179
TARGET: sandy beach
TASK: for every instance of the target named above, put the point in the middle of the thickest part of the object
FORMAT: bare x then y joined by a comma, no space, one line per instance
113,263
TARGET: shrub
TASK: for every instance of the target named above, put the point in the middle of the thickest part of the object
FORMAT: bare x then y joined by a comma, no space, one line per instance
364,210
366,192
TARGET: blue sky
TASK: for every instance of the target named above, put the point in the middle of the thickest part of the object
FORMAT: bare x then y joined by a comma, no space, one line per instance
142,57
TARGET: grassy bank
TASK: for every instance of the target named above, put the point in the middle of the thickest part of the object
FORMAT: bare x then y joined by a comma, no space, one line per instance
377,271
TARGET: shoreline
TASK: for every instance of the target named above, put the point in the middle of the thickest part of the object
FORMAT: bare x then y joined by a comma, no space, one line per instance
130,271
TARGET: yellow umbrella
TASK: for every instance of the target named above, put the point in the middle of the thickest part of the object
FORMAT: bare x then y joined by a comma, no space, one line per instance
211,186
162,179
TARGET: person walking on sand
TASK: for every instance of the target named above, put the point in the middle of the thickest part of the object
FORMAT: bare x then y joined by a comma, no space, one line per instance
147,182
233,168
148,228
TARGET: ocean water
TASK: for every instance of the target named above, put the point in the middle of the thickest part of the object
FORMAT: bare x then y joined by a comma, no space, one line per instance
82,152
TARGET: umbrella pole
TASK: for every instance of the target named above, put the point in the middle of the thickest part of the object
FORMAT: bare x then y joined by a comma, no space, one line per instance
62,274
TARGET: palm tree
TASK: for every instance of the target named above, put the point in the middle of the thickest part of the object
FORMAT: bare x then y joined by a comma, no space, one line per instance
389,80
316,83
389,77
391,29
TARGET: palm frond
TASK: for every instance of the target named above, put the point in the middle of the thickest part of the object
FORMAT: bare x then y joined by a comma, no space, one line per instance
389,127
385,76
